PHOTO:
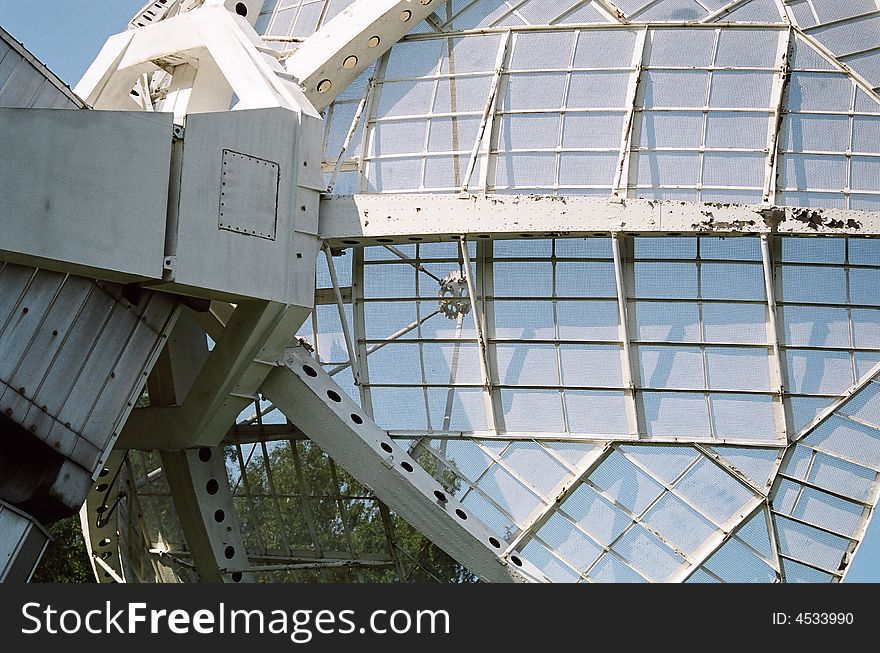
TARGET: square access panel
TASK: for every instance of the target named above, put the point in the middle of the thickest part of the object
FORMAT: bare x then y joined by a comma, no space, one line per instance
249,195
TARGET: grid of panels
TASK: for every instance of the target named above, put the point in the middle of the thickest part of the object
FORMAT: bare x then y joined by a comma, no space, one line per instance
748,556
643,514
826,292
702,355
686,348
705,108
563,111
511,484
829,150
684,113
827,486
503,482
297,19
699,313
850,30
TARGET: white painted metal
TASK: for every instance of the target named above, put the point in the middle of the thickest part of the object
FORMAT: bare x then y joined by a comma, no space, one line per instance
26,83
244,159
22,543
203,500
75,356
119,196
217,52
360,219
336,54
335,423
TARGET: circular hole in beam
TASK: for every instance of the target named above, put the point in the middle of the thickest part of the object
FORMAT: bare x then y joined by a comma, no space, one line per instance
334,396
440,496
324,86
374,42
241,9
386,447
310,371
406,466
494,542
205,454
350,62
357,419
104,542
229,552
515,560
236,576
461,513
212,487
219,516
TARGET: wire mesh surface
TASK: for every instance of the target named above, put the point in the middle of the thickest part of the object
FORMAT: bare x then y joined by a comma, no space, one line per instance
691,408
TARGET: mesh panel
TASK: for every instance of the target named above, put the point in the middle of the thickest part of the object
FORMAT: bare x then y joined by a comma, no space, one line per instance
596,412
569,543
735,563
809,545
596,516
625,484
678,524
611,569
646,553
550,565
664,463
676,415
718,494
508,493
847,438
755,464
535,466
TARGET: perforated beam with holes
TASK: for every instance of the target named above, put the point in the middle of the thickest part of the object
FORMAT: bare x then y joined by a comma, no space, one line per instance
331,419
336,54
203,502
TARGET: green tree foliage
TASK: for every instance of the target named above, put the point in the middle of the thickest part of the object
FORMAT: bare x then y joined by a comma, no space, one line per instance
294,498
65,559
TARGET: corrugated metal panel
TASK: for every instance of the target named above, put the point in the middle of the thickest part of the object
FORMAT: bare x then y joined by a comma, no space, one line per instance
27,83
22,542
74,354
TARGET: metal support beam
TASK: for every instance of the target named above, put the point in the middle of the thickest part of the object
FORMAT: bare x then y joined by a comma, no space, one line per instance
333,57
778,93
493,415
254,337
203,501
639,61
22,543
343,320
347,221
629,365
488,112
338,425
776,362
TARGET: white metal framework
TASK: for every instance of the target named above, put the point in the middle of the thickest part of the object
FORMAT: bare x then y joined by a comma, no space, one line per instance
596,297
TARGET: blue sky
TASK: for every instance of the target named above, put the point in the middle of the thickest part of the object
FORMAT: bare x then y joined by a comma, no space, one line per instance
67,34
